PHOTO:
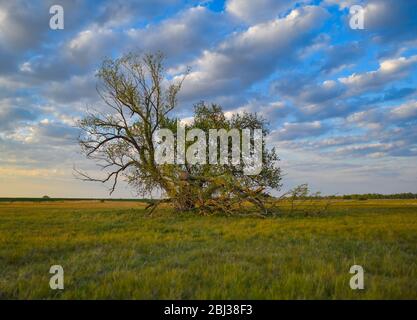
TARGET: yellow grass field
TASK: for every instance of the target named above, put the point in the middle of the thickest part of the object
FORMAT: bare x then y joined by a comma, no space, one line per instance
113,250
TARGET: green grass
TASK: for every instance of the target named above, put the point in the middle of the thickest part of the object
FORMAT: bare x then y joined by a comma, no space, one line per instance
113,250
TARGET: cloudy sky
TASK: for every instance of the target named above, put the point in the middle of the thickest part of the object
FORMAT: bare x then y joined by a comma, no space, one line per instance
341,103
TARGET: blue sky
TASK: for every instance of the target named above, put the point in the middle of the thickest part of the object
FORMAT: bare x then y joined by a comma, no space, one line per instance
341,103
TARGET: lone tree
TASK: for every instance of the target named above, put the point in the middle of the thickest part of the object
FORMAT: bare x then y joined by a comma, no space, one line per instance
122,142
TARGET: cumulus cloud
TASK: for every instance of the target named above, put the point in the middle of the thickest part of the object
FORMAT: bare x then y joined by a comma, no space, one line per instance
407,111
19,27
301,130
45,131
382,117
54,133
251,55
396,93
256,11
90,44
388,71
116,13
370,149
385,20
79,55
343,4
13,115
393,129
391,20
387,131
321,93
340,56
76,89
342,96
182,37
314,101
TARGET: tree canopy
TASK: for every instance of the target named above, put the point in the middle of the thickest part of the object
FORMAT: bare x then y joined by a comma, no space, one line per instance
140,102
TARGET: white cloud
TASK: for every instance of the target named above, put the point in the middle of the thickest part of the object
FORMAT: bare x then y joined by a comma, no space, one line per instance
291,131
180,37
405,111
383,117
91,44
21,24
370,149
388,71
343,4
251,55
76,89
116,13
260,10
393,20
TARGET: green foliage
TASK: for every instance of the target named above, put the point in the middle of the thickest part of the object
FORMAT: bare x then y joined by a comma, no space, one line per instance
224,188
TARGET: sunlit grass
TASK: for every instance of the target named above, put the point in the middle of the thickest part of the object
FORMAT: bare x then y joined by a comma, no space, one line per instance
114,250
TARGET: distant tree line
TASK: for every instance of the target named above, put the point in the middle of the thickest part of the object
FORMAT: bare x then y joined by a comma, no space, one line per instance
366,196
408,195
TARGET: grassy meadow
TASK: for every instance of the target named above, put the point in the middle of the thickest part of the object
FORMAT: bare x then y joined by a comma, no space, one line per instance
113,250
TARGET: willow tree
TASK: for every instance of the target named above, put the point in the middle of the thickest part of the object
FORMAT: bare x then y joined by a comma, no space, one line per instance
121,139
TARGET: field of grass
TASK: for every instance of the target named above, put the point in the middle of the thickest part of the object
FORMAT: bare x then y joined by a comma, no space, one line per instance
114,250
